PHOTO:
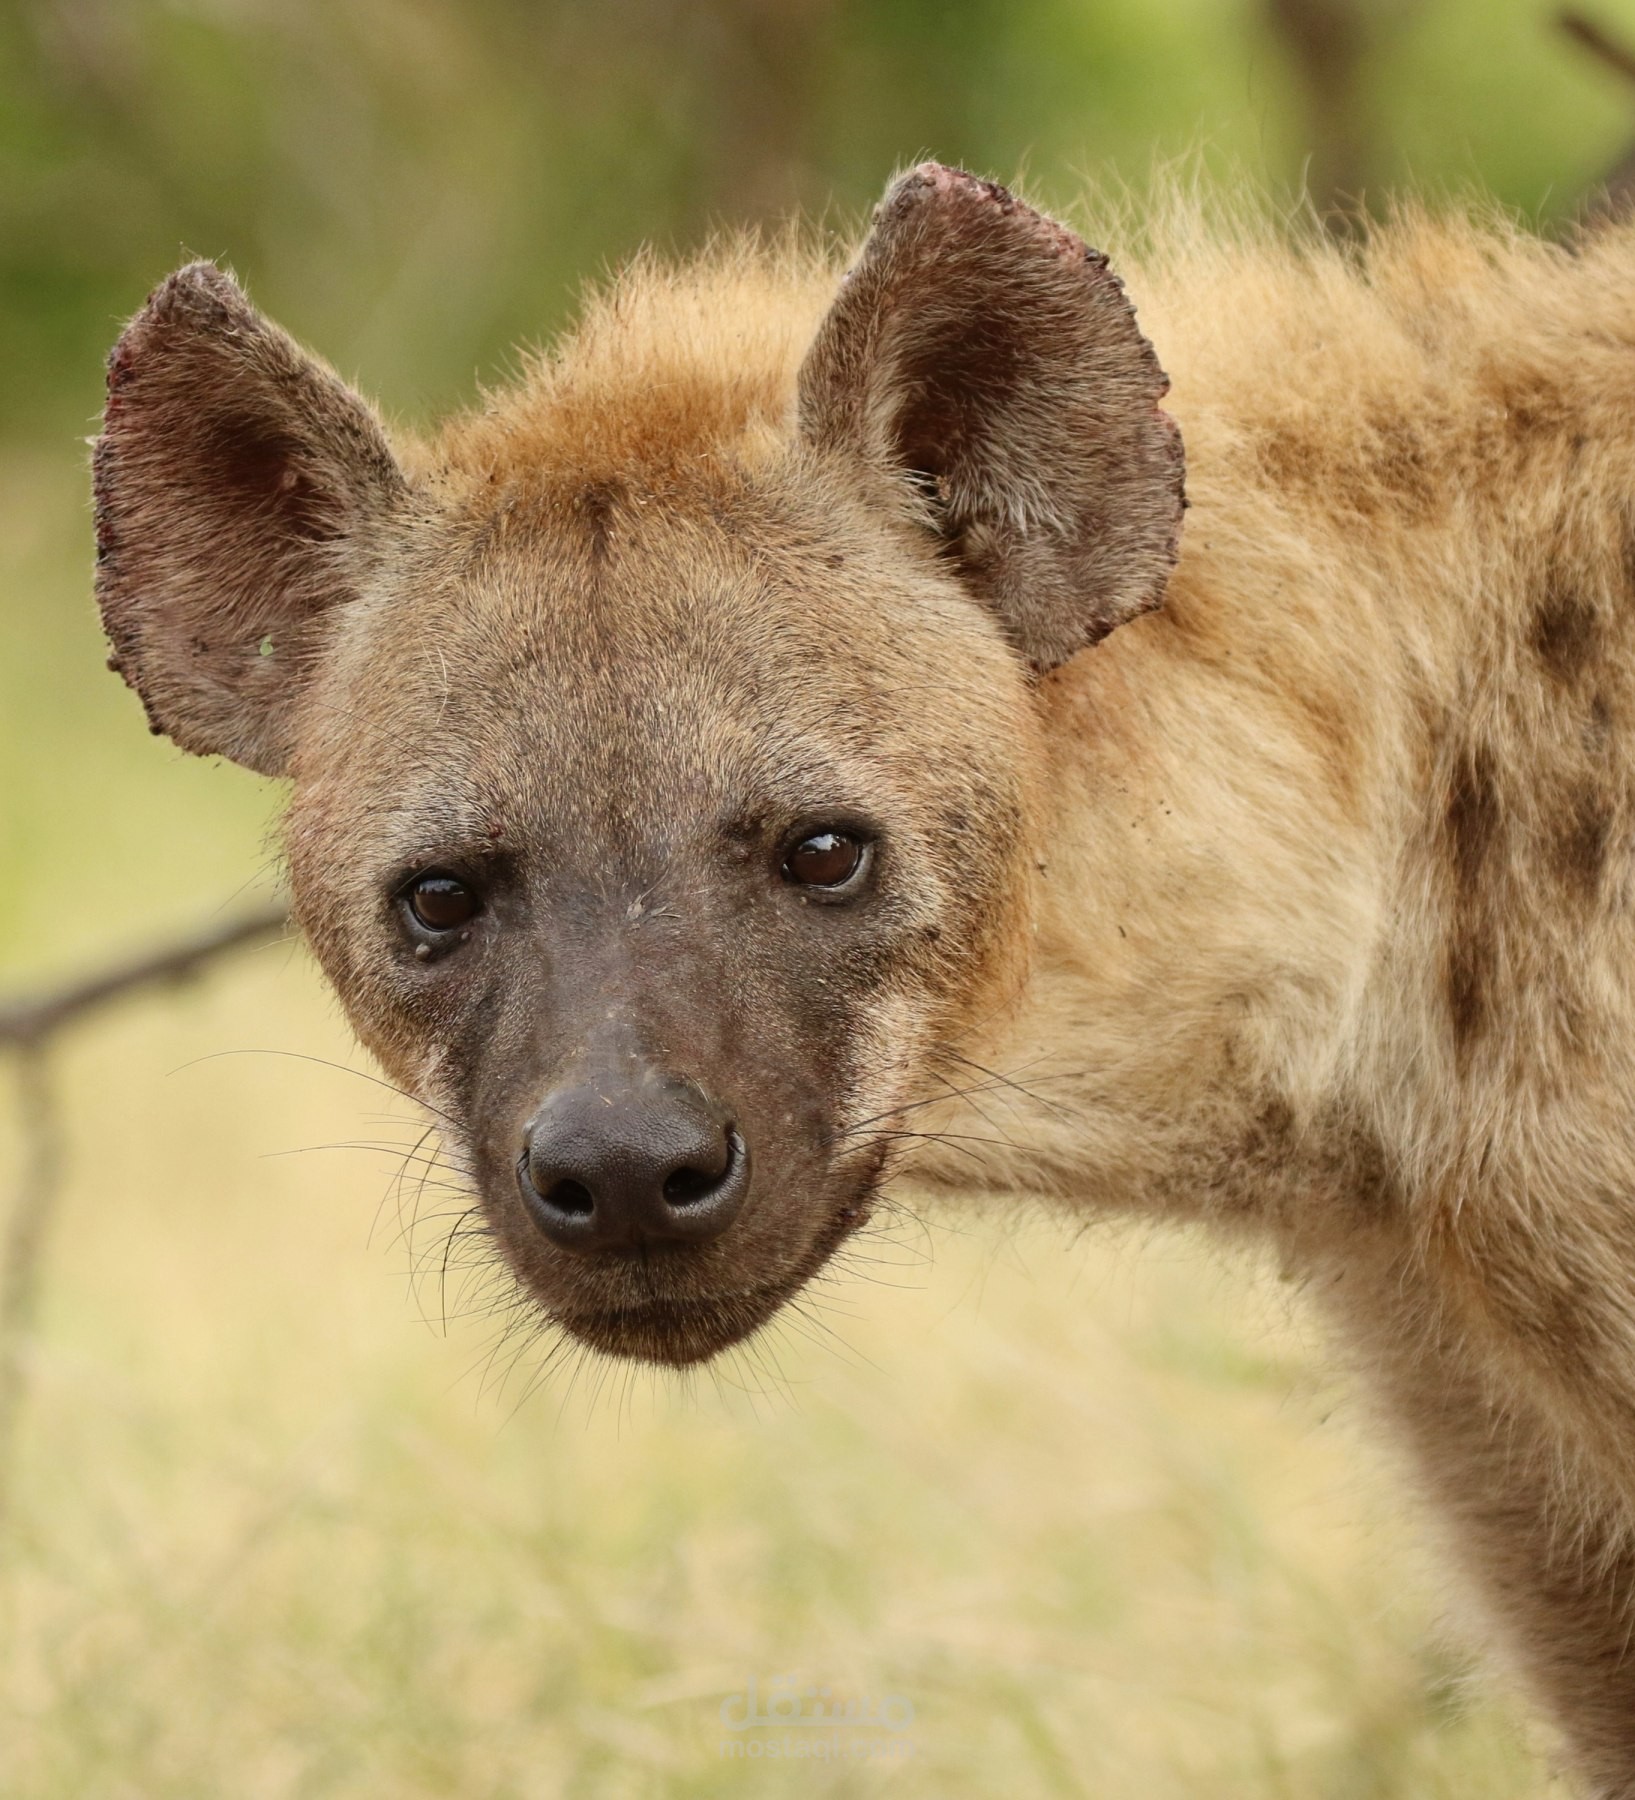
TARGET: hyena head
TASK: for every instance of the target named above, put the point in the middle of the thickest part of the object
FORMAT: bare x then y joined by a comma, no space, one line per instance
663,740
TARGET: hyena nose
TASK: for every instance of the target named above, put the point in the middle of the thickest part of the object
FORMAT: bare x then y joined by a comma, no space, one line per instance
610,1169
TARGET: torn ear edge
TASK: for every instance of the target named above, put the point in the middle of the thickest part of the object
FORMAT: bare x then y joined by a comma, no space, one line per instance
988,360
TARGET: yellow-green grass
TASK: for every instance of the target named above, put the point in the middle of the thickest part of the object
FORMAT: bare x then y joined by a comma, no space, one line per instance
1090,1505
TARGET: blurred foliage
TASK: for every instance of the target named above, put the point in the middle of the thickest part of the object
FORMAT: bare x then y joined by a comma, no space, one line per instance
417,184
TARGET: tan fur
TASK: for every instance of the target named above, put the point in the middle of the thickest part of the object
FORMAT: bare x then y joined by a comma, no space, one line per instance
1319,923
1338,941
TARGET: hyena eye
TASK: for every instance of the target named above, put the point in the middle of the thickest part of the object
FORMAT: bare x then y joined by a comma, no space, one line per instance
441,902
826,859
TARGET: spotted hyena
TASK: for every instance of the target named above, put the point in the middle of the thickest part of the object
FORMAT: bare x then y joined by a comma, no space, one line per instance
795,699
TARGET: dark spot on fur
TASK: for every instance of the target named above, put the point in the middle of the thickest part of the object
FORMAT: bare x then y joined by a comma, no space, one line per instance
1467,985
1274,1123
1401,460
1395,467
1370,1178
1598,727
1473,816
1535,408
1261,1158
1581,846
1472,823
1565,630
1333,1154
1293,458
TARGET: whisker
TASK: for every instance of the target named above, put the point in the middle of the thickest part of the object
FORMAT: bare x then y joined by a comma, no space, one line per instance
322,1062
981,1112
1009,1081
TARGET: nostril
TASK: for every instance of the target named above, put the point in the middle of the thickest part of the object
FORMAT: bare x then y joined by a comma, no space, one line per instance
571,1197
688,1185
564,1196
685,1186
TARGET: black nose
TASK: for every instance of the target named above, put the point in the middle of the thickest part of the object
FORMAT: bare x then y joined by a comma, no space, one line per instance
612,1166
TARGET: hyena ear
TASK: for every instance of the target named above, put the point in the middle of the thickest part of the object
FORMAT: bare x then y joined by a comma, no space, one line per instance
241,489
986,354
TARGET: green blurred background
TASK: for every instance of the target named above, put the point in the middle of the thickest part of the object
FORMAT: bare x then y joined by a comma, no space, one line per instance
1095,1514
418,184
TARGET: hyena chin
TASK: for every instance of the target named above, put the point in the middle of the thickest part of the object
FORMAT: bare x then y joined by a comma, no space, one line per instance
712,794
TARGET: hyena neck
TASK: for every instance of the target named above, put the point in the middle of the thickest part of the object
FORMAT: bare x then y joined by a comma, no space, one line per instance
1208,908
1351,801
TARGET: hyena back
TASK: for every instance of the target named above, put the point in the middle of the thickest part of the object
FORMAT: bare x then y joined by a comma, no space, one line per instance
708,772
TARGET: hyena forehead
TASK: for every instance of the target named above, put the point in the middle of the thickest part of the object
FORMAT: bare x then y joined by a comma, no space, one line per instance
602,648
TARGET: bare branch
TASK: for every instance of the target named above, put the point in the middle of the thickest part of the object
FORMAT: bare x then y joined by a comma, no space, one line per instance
30,1020
1599,43
27,1026
30,1221
1613,197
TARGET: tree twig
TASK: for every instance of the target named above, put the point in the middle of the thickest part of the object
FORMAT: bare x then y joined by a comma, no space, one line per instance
1583,30
1613,197
26,1233
28,1021
29,1026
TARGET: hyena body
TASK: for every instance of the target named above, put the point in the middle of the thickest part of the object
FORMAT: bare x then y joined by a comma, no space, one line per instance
709,776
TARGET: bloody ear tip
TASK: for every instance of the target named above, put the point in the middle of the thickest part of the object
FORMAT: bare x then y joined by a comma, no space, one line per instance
986,207
198,297
938,174
944,178
198,293
934,180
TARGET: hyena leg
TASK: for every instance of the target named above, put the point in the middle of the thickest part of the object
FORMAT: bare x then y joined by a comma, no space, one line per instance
1548,1544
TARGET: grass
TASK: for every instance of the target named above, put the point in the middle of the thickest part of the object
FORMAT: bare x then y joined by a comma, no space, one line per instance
1091,1507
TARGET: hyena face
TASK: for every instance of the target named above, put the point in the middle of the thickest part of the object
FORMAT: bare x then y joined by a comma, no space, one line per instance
619,845
664,774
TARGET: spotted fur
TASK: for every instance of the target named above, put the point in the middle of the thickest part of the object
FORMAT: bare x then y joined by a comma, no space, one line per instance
1305,903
